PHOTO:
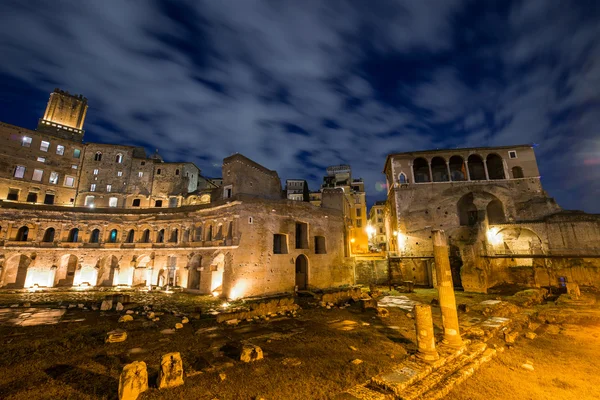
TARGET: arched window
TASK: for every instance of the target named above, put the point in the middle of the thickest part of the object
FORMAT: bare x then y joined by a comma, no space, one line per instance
112,238
402,178
146,236
176,172
130,236
517,172
421,170
219,234
119,158
98,156
467,212
158,171
95,236
230,230
49,235
174,235
198,234
495,212
476,169
161,236
439,169
73,235
495,166
186,236
22,234
458,172
209,235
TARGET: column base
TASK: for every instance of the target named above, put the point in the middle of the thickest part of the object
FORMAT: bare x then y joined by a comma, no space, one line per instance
428,357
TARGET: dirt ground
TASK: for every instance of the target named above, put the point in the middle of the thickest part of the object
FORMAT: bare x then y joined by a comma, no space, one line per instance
307,357
566,365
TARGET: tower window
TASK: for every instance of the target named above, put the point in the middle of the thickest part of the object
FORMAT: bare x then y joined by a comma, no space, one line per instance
512,154
140,174
44,145
26,141
41,159
60,150
112,202
108,188
98,156
76,153
176,172
93,187
158,171
95,172
136,203
119,173
119,158
69,181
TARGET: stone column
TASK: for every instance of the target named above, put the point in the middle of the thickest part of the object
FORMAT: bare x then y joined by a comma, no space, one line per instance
425,339
430,171
412,172
448,169
446,290
487,175
467,170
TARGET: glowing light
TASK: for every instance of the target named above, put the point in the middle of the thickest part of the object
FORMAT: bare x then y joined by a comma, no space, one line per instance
238,290
370,230
215,294
401,239
225,305
494,237
352,240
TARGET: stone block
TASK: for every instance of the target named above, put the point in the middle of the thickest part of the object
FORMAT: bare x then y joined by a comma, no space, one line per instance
116,336
251,353
171,371
126,318
133,381
106,305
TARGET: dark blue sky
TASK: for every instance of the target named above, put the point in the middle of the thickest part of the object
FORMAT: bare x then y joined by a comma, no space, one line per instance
299,85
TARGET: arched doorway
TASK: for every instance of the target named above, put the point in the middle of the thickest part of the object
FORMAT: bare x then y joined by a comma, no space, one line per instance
302,272
106,271
140,273
217,267
16,272
65,274
161,279
467,212
194,272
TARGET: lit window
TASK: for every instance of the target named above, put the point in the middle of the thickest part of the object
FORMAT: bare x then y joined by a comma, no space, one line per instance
108,188
98,156
119,158
512,154
26,142
119,173
19,171
37,175
53,178
74,166
95,172
60,150
93,187
89,201
44,146
140,174
69,181
76,153
41,159
112,202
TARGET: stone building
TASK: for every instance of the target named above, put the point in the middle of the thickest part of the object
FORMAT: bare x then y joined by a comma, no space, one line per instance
76,214
340,176
247,242
297,189
502,226
377,236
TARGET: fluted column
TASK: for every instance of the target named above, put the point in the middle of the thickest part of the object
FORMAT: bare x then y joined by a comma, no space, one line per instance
446,289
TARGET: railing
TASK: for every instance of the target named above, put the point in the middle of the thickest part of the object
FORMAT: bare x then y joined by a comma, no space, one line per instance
542,253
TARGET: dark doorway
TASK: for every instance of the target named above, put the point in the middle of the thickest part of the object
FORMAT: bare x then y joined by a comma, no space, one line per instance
455,266
301,272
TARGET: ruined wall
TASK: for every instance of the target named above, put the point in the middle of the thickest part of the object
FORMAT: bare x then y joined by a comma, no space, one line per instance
244,176
371,271
224,247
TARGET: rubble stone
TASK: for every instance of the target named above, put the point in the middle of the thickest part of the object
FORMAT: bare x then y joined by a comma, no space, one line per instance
133,380
251,353
126,318
116,336
170,373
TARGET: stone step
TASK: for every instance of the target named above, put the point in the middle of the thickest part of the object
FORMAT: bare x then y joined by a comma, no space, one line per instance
362,392
444,387
409,372
416,390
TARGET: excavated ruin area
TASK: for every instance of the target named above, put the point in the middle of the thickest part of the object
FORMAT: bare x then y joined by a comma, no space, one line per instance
53,345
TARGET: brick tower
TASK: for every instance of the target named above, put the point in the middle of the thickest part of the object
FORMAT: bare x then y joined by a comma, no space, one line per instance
64,116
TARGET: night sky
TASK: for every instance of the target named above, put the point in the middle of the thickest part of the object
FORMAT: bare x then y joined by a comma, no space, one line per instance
300,85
